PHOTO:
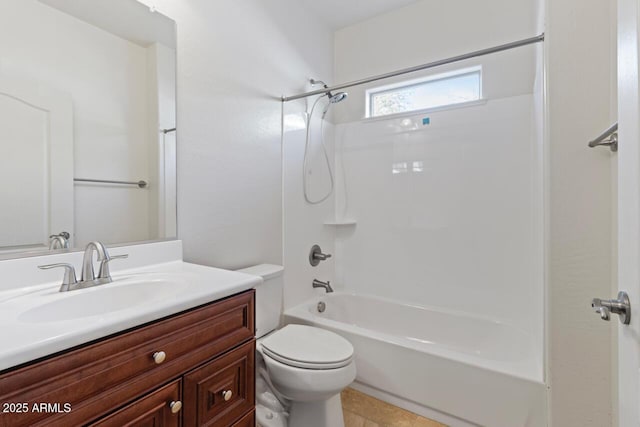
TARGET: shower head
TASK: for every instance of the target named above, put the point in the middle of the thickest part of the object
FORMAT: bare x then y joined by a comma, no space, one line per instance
334,99
338,97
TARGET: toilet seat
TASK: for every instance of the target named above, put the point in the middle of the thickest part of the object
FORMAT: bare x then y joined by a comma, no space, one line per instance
308,347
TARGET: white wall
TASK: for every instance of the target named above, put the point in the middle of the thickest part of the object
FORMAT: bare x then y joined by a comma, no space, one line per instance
235,60
580,73
106,79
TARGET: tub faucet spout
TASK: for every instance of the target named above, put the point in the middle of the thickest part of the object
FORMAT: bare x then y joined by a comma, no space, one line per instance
326,285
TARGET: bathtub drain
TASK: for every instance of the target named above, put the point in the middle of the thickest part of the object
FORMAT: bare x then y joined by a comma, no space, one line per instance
321,307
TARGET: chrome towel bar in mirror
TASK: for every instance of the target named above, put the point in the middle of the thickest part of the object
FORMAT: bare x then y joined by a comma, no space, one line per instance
140,184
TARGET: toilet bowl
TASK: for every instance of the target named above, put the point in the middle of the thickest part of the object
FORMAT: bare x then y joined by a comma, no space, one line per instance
300,370
305,371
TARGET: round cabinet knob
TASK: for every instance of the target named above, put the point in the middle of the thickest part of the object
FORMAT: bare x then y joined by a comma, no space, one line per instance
175,406
227,395
159,357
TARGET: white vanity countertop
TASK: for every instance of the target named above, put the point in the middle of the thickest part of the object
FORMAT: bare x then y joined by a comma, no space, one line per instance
34,325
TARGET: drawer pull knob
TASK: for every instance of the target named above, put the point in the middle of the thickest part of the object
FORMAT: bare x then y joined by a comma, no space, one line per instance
159,357
227,395
175,406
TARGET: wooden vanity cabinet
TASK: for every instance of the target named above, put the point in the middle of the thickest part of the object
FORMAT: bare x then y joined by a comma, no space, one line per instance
191,369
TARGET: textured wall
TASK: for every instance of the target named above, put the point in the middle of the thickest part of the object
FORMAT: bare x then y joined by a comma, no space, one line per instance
580,209
235,60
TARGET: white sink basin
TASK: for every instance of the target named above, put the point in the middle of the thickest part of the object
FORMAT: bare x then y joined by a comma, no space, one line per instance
122,294
39,320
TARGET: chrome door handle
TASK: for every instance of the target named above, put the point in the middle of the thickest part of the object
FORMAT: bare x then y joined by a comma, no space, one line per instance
620,306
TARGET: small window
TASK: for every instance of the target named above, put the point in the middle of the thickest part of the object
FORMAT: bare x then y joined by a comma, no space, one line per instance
435,91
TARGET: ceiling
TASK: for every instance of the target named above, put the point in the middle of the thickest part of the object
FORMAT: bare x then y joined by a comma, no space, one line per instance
128,19
341,13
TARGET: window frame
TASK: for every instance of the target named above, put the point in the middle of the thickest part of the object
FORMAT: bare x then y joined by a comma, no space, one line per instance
370,93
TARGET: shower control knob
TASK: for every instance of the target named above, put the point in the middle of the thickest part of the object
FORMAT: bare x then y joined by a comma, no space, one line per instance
316,255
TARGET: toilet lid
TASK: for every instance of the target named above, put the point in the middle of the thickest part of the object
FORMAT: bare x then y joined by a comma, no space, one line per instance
308,347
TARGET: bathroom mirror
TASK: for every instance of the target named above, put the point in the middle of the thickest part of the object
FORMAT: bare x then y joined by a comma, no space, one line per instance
87,119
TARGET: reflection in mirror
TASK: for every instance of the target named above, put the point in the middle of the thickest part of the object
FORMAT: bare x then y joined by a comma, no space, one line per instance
87,119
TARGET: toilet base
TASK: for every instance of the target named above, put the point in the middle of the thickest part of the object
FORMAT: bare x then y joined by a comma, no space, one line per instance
324,413
266,417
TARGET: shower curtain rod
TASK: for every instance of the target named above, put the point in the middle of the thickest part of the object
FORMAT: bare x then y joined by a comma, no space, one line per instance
470,55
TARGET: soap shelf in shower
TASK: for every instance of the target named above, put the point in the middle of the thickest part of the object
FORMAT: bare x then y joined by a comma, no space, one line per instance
340,223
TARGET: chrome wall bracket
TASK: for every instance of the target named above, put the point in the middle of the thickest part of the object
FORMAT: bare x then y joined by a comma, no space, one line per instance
620,306
608,138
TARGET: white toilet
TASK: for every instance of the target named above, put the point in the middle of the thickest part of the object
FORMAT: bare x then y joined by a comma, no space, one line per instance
300,370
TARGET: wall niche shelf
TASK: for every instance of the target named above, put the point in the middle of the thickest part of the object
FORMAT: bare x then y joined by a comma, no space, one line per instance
341,223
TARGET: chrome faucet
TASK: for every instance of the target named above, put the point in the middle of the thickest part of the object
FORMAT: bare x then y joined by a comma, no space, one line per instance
87,263
59,241
88,277
326,285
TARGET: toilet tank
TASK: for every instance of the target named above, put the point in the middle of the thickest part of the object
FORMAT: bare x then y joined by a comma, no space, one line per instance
268,296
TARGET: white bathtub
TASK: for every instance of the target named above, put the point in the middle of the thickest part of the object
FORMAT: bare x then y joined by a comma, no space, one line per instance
456,368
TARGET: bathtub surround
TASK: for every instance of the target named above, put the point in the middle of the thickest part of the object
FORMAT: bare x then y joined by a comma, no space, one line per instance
429,199
427,196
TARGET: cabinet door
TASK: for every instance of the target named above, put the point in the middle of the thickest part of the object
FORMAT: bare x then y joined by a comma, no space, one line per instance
248,420
222,391
162,408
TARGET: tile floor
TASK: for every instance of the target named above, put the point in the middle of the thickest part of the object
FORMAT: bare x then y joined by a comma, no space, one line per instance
361,410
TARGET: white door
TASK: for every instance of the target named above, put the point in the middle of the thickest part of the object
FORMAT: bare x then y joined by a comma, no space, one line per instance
629,209
36,163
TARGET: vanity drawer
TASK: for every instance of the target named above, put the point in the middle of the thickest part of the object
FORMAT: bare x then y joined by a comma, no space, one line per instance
221,392
98,378
152,410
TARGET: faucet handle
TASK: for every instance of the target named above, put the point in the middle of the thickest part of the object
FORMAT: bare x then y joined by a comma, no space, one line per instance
104,273
316,255
69,274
